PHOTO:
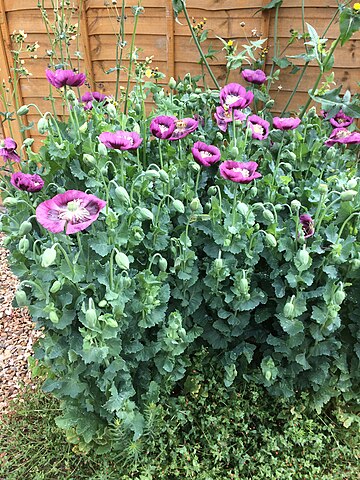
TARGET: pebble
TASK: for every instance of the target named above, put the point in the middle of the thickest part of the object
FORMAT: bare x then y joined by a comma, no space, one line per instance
17,336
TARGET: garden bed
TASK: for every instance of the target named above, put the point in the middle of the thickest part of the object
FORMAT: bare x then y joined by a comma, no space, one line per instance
17,336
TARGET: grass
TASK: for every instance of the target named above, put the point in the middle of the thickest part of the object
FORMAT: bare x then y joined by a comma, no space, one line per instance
213,434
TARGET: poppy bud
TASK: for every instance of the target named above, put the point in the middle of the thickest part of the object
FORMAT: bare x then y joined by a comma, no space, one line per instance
218,264
10,201
138,236
83,127
269,103
348,195
122,261
146,214
172,83
352,183
268,215
227,242
162,264
194,166
195,204
295,205
303,257
25,228
331,153
55,287
102,303
24,245
152,173
102,150
212,190
111,322
339,295
28,142
91,317
53,316
48,257
21,298
234,152
243,284
110,107
323,188
42,126
164,177
289,309
122,195
89,159
270,240
178,205
23,110
253,192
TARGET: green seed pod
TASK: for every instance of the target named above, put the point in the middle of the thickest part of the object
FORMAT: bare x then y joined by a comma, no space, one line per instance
242,208
268,215
24,245
194,166
83,127
152,173
55,287
21,298
278,207
289,309
270,240
219,136
28,142
348,195
122,195
287,166
53,316
195,204
178,205
122,261
146,214
48,257
331,153
163,264
25,228
10,201
323,188
207,207
269,103
172,83
352,183
102,303
164,177
102,150
42,126
24,110
311,113
227,242
70,95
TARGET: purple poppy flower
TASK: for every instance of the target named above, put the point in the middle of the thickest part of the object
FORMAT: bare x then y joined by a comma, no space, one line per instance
183,127
60,78
256,77
27,182
73,209
239,172
258,126
89,97
7,149
205,154
121,140
163,126
286,123
235,95
225,115
307,224
341,120
342,135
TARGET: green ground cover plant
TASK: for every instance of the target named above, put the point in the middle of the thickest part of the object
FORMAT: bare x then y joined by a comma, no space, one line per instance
208,432
210,225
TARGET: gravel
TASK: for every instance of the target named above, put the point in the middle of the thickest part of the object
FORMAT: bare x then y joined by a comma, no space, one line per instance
17,336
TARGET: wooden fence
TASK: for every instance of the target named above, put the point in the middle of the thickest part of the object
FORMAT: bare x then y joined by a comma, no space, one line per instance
170,42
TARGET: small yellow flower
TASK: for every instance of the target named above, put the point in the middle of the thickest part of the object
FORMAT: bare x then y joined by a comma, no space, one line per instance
230,43
356,7
148,72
